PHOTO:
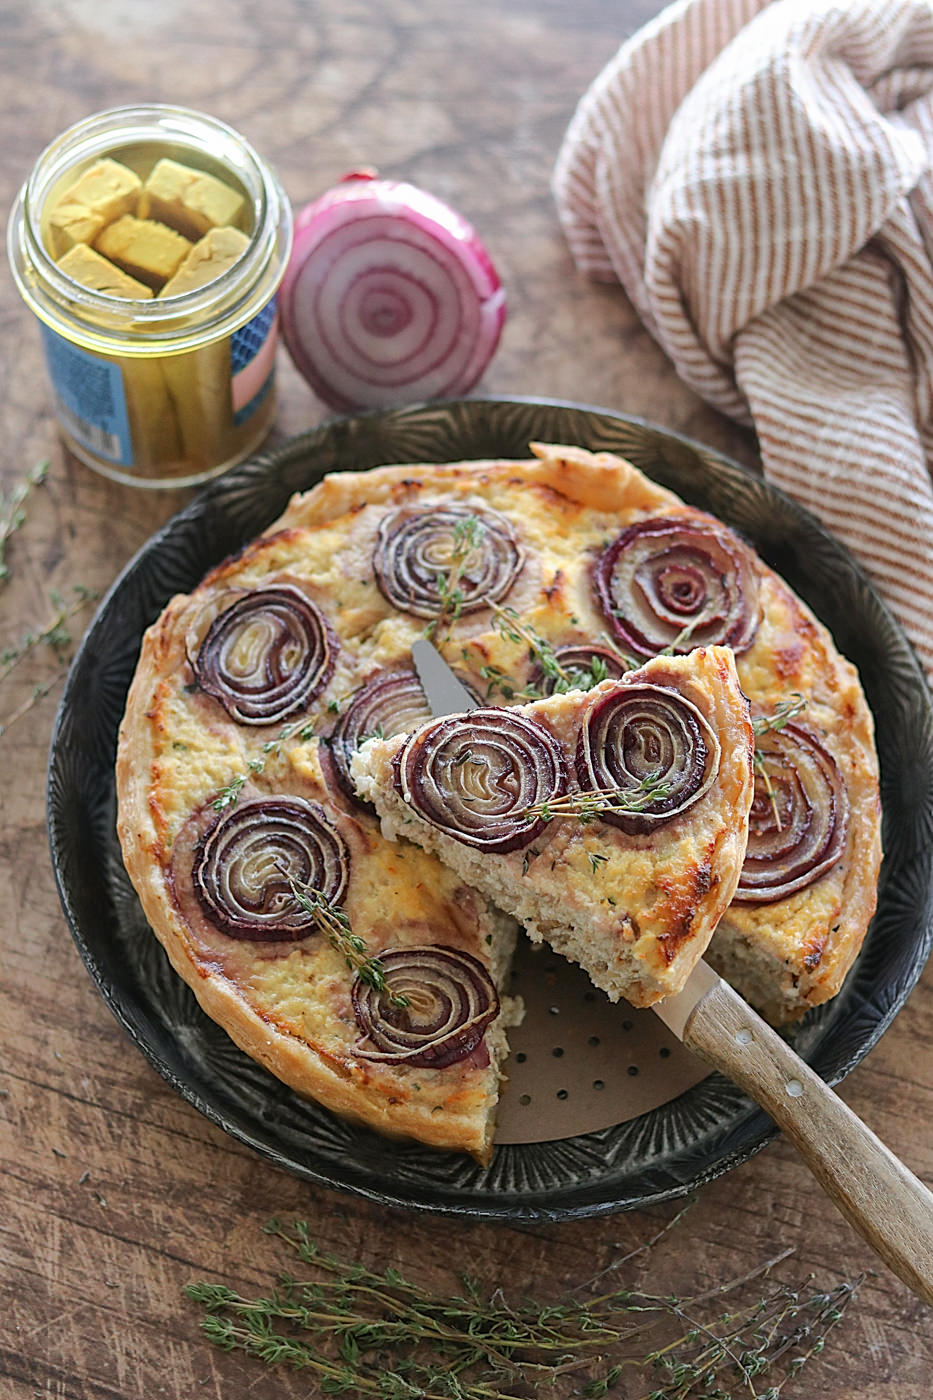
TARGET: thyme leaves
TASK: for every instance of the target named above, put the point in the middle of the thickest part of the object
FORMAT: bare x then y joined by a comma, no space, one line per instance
467,534
56,636
783,712
12,510
366,1332
588,806
228,796
334,923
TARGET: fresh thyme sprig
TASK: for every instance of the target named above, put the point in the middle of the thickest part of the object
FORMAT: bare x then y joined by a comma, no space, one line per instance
590,806
334,922
467,534
362,1332
229,795
56,635
12,512
513,629
784,711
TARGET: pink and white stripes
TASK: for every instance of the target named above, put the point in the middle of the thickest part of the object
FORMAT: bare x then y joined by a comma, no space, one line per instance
758,174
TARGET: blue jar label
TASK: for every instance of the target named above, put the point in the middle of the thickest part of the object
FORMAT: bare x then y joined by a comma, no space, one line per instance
252,362
90,401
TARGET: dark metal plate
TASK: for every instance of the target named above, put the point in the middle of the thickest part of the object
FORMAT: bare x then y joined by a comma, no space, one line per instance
658,1154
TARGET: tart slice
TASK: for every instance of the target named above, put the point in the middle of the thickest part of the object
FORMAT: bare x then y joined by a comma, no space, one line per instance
612,824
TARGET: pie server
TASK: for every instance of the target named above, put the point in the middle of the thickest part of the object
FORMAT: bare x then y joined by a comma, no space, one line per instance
876,1193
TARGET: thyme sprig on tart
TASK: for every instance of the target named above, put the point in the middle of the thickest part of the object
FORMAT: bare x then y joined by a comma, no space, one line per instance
334,922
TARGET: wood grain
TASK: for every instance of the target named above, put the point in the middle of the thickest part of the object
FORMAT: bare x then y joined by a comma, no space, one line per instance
115,1192
875,1191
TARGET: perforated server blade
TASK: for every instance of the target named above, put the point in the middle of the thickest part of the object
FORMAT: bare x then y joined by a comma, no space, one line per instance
578,1063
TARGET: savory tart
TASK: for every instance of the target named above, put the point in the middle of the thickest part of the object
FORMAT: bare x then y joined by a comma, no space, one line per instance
318,944
611,823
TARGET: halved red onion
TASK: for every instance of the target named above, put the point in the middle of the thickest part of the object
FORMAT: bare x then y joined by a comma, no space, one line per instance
474,776
246,861
799,817
391,703
266,655
646,739
682,577
389,296
417,547
578,660
450,999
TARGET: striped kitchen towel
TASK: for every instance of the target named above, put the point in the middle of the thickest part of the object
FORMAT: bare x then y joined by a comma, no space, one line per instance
757,175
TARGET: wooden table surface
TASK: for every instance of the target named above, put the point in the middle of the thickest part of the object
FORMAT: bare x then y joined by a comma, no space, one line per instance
114,1191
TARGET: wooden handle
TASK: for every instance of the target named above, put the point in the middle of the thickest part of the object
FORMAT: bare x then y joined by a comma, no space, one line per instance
876,1193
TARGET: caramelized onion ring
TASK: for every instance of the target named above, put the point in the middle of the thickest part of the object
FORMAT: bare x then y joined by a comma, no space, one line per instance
647,736
391,703
266,656
245,862
416,548
451,999
799,817
662,576
474,776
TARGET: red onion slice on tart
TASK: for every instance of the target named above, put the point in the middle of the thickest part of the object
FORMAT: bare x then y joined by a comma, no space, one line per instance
678,583
474,776
266,655
450,1000
799,817
650,747
416,549
247,861
390,703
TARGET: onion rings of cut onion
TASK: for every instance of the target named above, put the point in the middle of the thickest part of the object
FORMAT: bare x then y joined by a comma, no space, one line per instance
415,549
389,296
799,817
451,1000
678,583
645,738
266,655
248,860
473,777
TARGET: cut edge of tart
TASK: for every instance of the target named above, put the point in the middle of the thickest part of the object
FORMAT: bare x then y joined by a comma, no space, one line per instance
611,823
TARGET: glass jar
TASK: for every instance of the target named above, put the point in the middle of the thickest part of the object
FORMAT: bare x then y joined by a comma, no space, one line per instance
171,390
